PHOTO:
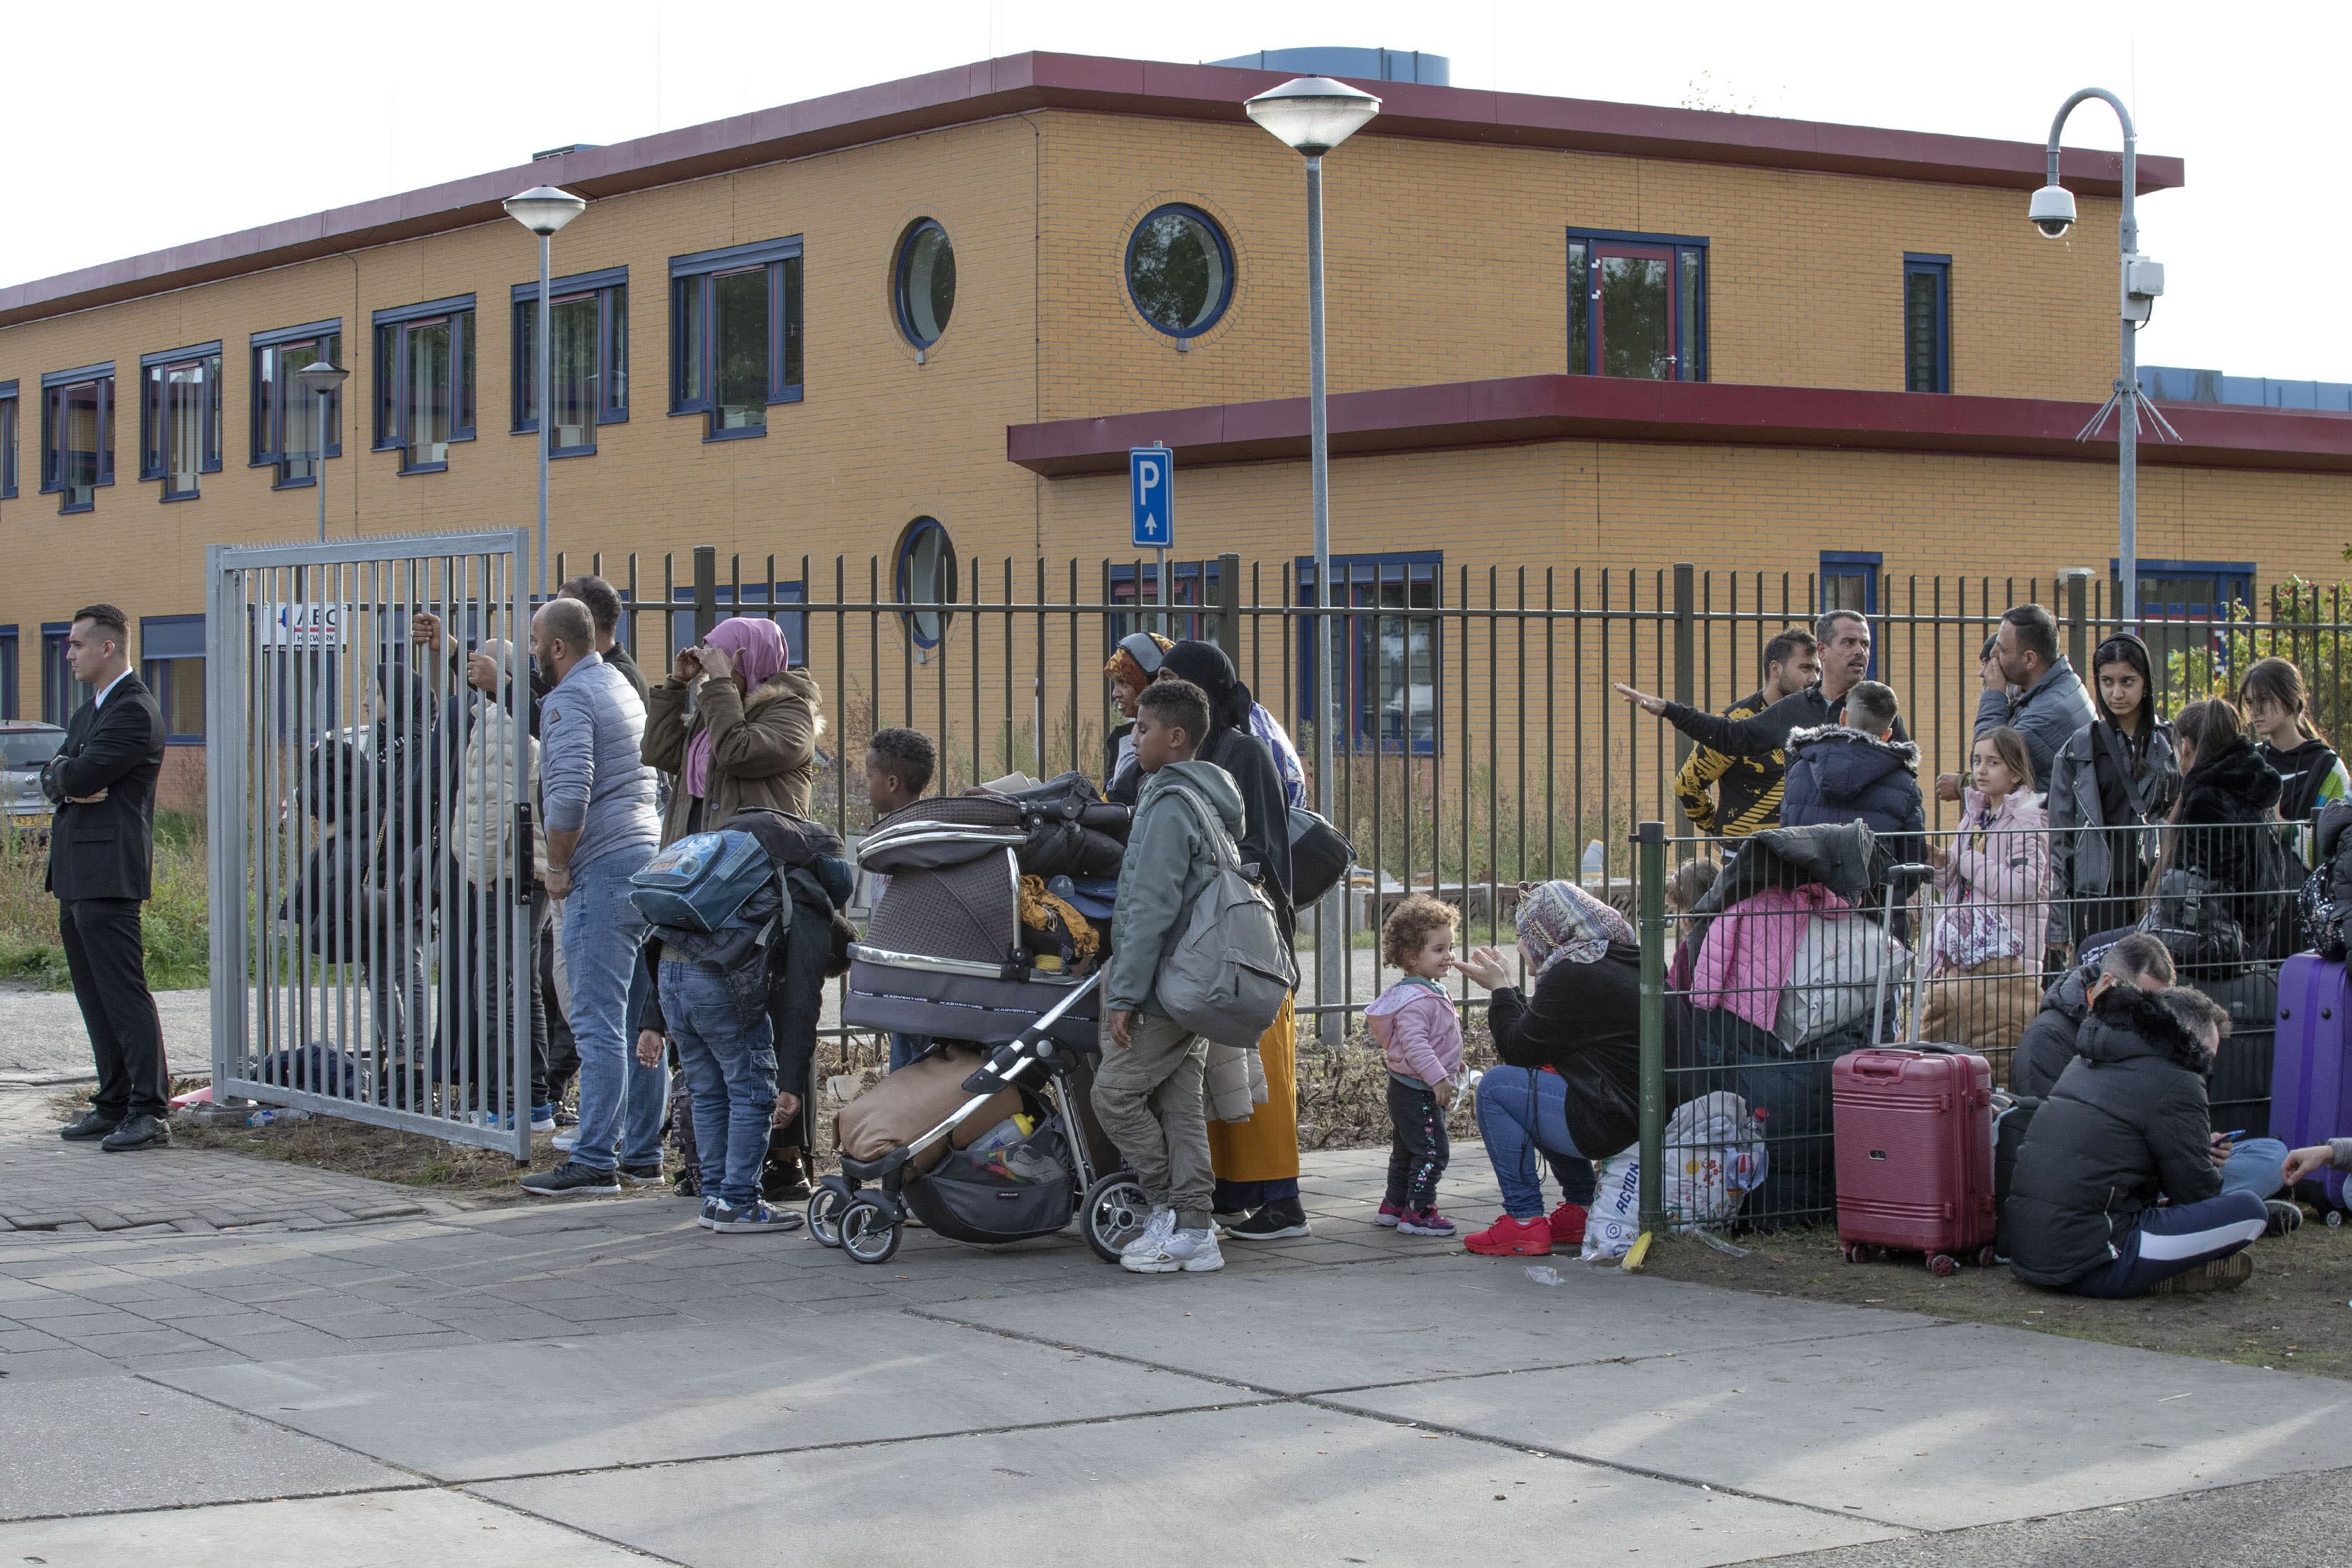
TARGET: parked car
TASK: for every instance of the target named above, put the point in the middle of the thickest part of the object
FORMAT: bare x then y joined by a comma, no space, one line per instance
25,746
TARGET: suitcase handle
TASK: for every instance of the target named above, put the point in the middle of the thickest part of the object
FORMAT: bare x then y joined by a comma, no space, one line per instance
1876,1067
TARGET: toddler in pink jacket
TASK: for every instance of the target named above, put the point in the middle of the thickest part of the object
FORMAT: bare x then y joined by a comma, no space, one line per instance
1416,1024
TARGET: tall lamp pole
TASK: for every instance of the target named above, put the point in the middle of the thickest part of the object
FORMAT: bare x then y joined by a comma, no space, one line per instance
1312,115
2141,281
322,377
543,209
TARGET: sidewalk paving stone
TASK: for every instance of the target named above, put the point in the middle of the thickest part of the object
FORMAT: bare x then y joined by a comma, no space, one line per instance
425,1525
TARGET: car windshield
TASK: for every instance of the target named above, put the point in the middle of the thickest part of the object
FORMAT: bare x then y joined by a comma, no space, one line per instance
29,747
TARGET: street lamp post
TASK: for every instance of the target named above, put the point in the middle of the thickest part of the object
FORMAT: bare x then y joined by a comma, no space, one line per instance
543,209
1312,115
321,377
2141,281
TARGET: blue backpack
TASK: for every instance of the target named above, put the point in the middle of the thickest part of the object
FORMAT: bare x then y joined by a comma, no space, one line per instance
702,881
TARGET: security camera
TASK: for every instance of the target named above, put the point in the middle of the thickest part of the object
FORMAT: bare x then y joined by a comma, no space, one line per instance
2052,211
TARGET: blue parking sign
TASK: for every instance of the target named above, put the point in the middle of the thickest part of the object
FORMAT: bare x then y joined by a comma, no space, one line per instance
1152,487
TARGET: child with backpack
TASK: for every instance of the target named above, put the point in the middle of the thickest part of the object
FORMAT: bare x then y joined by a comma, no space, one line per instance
1148,1090
1416,1024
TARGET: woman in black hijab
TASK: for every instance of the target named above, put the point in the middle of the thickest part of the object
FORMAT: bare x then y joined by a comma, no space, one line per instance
1256,1160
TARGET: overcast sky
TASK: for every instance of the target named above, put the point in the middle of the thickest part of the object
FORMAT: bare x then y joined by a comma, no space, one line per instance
223,116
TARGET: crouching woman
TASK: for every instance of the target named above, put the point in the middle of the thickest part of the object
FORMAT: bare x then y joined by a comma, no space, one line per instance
1566,1090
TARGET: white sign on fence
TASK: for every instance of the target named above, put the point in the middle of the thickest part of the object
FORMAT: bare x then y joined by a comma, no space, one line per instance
302,625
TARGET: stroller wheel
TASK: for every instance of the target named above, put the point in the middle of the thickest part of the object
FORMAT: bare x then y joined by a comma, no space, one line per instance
1116,1212
868,1232
824,1206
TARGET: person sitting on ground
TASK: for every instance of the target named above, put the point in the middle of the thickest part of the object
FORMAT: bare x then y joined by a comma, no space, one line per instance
1148,1090
1748,789
898,766
2112,775
2127,1125
1417,1025
1567,1084
1689,883
2048,1043
2335,1154
2225,828
1994,886
1857,771
2029,686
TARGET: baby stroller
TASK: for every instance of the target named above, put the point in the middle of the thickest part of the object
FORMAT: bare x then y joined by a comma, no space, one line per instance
949,955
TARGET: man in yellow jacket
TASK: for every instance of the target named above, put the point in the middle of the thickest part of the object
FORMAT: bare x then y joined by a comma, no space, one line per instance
1747,790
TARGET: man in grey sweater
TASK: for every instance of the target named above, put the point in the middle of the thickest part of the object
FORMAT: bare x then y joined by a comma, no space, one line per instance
2048,704
601,830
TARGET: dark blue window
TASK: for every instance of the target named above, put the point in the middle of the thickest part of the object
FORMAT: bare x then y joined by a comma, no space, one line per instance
180,417
924,282
1391,677
425,381
77,435
61,694
7,441
1179,270
9,671
1850,582
2184,607
588,368
735,335
924,578
172,663
1926,324
759,598
285,414
1191,584
1637,305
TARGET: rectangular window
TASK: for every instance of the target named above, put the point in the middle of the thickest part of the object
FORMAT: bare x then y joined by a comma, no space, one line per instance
1637,305
1926,324
7,441
78,435
179,417
286,413
735,335
588,367
425,381
2184,605
757,598
61,694
1191,584
172,657
1391,678
9,671
1850,582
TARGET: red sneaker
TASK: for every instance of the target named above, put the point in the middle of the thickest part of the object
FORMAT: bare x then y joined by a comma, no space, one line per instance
1508,1237
1568,1225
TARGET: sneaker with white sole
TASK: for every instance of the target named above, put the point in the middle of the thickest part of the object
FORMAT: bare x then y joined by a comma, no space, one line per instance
564,1143
752,1217
1155,1231
572,1180
543,1119
1278,1221
709,1219
1184,1252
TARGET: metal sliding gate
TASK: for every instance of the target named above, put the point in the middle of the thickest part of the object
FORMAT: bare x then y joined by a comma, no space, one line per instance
374,895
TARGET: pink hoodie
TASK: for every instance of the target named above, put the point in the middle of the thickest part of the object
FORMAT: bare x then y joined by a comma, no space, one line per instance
1415,1024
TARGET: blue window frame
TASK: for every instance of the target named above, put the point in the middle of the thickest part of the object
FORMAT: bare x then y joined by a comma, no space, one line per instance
425,381
1391,685
735,335
1637,305
1180,269
78,435
180,417
588,369
1189,582
2186,606
61,694
923,576
285,421
9,671
1926,324
1849,581
172,663
7,441
923,282
757,597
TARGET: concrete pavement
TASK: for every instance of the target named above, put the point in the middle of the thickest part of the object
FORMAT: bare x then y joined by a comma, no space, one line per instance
606,1380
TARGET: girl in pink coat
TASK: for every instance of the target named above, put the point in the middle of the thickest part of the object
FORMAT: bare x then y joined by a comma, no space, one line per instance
1416,1025
1993,884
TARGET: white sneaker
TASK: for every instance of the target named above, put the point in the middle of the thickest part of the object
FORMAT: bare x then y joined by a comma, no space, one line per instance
1155,1230
564,1143
1184,1251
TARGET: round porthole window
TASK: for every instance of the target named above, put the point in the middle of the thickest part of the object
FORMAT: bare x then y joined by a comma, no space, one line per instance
926,283
1179,270
926,579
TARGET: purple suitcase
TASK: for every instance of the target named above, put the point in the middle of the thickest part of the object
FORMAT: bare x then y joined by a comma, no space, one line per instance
2311,1079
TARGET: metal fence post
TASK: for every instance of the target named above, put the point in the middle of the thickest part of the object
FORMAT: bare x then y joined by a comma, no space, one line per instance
1227,632
1650,889
1685,652
705,591
2078,631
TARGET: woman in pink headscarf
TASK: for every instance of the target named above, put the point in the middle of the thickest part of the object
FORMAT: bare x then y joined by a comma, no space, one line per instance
752,738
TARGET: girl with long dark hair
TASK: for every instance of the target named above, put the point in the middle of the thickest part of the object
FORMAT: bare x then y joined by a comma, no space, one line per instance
2114,774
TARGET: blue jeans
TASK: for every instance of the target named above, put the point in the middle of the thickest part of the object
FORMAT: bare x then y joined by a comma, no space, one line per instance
2173,1240
1523,1112
905,1048
621,1101
731,1070
2257,1165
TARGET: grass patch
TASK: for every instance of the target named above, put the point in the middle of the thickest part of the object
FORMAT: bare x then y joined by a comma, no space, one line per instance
2294,1314
176,922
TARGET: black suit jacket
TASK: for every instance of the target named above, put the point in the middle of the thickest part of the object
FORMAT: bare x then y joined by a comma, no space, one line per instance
107,850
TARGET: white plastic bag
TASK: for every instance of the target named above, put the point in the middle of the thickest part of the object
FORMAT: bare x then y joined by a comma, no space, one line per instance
1835,976
1713,1159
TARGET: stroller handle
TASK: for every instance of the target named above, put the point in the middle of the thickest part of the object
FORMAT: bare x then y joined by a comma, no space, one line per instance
1007,1061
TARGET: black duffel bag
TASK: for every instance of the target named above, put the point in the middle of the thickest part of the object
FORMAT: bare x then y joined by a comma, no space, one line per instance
1320,856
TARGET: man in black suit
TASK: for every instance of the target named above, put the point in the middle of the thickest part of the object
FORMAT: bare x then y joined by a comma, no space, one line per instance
102,856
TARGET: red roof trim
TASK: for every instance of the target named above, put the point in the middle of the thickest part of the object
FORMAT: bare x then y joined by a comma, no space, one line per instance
1033,81
1581,408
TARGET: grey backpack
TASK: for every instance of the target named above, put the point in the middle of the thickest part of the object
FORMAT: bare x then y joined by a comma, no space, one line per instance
1232,966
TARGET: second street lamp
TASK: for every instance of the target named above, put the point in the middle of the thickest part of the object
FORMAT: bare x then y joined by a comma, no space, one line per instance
543,209
1311,116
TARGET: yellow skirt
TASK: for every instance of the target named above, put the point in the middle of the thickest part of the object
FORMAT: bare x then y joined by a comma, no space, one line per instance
1265,1147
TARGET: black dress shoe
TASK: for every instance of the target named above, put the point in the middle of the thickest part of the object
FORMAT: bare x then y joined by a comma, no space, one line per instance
138,1132
91,1124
